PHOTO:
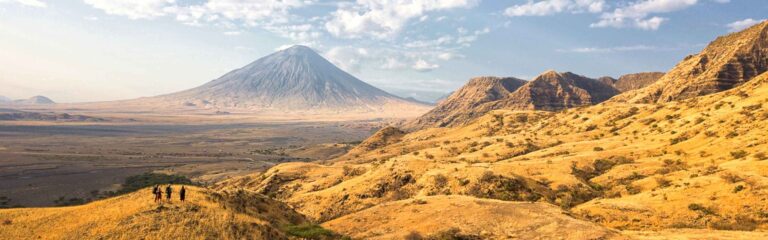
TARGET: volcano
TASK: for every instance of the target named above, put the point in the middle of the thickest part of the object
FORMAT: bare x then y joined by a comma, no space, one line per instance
296,78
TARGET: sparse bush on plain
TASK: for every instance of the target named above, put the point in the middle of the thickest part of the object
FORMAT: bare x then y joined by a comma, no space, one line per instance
739,154
598,149
700,208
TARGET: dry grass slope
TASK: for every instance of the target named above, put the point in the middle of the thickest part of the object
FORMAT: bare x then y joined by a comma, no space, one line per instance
206,215
698,163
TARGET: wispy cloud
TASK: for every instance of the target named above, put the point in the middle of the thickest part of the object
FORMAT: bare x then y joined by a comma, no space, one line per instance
742,24
639,14
384,19
549,7
30,3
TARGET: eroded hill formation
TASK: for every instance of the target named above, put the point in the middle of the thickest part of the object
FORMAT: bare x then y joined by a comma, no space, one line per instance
549,91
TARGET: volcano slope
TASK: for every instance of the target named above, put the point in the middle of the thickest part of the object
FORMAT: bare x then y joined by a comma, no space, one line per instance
207,214
695,163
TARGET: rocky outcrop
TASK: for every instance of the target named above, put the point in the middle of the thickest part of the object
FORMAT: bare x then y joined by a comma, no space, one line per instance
636,81
554,91
727,62
465,104
550,91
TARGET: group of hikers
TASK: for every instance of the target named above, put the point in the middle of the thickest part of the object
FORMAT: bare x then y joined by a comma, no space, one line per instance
158,193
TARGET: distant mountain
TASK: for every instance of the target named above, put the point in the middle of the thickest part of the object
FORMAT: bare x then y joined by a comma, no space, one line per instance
296,78
4,99
35,100
549,91
729,61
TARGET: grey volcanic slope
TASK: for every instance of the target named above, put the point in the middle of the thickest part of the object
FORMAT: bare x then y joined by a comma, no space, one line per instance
292,79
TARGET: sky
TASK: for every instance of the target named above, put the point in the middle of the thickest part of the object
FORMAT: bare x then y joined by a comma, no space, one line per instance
98,50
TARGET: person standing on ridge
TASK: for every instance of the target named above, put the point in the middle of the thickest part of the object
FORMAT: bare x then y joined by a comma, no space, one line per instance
158,195
168,192
182,193
154,192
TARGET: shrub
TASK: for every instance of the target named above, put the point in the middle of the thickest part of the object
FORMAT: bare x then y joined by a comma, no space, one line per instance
738,188
663,182
739,154
761,156
699,208
731,177
598,149
430,156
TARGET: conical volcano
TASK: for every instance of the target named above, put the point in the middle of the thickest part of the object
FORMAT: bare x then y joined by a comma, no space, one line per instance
296,78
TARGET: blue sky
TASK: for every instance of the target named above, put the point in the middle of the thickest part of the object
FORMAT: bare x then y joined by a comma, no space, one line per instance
94,50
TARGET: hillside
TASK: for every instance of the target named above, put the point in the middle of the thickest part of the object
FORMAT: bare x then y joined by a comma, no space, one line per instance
729,61
206,215
550,91
626,166
678,169
632,81
636,81
466,103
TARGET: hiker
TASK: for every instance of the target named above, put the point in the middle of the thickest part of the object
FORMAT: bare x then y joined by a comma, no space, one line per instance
168,192
158,195
154,191
182,193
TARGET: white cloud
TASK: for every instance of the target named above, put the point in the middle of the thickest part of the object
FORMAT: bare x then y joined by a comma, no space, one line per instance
742,24
31,3
384,19
424,66
233,33
253,13
138,9
549,7
636,14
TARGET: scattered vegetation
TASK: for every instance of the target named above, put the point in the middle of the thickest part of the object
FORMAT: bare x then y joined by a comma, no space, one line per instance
311,231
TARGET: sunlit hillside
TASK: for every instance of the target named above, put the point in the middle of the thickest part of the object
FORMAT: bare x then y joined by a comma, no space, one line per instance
205,215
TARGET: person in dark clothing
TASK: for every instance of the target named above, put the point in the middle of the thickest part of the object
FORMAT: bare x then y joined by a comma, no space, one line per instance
168,192
154,190
158,195
182,193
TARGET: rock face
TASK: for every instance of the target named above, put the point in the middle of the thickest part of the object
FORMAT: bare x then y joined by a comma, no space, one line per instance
727,62
554,91
551,91
636,81
465,104
296,78
35,100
